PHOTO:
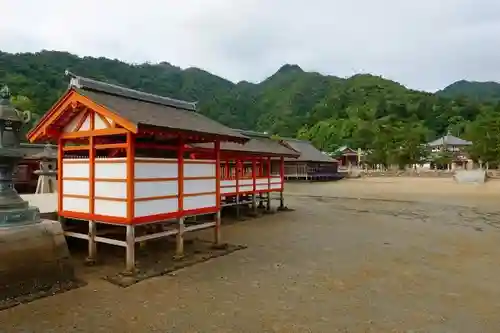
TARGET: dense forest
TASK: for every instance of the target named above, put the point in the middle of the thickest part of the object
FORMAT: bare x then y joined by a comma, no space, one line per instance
363,111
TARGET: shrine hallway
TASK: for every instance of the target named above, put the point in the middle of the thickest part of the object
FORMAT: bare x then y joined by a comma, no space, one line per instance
332,265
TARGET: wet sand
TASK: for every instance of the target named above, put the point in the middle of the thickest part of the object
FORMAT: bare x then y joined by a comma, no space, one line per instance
424,258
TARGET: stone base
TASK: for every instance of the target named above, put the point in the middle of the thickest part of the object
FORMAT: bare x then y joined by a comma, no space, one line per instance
19,216
33,258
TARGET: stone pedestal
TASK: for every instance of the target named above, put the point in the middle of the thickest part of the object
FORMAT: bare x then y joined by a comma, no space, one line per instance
34,258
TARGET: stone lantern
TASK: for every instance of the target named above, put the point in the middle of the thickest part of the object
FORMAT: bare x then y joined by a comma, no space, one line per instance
13,209
33,251
47,172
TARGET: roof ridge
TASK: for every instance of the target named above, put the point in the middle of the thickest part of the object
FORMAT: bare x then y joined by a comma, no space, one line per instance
81,82
253,133
295,139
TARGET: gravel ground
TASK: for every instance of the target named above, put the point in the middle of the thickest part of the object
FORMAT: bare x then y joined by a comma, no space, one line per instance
371,255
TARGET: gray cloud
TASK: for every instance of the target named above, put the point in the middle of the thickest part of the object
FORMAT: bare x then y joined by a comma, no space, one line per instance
424,44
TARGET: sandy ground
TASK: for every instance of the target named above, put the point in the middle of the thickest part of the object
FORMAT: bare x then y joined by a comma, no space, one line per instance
336,264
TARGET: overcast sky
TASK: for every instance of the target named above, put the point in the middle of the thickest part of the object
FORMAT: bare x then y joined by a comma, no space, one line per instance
424,44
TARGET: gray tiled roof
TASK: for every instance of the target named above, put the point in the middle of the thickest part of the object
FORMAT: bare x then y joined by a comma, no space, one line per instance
37,151
90,84
151,110
308,153
259,143
449,140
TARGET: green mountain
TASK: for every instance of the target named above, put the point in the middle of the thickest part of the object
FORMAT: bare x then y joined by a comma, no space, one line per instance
363,111
478,91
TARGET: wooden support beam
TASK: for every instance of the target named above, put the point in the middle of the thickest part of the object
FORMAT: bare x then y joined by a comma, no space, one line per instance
130,146
217,229
179,252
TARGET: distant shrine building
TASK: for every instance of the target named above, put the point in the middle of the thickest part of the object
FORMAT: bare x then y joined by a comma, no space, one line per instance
456,148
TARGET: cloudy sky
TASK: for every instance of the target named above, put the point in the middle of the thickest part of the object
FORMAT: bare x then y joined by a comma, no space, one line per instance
424,44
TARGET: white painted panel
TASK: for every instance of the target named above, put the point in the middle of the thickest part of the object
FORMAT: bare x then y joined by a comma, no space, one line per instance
262,187
275,186
110,208
155,207
199,186
262,181
227,182
80,170
276,180
227,190
86,124
200,201
76,187
115,170
199,169
155,170
111,189
99,123
69,128
75,205
155,189
246,188
245,182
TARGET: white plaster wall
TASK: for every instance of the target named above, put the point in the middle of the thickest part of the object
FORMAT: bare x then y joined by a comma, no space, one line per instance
200,201
76,205
99,123
199,169
199,186
111,189
115,170
110,208
224,190
276,180
156,170
155,207
155,189
76,170
245,182
246,188
76,187
262,181
275,186
262,187
228,182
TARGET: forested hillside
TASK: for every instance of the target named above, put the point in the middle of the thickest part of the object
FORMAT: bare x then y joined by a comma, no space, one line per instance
477,91
363,111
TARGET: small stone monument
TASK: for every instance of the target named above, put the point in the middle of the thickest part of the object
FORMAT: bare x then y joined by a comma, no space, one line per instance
35,256
47,173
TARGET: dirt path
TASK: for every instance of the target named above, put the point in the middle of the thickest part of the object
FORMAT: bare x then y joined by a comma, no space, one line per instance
333,265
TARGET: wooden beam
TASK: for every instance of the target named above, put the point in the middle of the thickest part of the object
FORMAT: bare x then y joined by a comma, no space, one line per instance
106,113
101,132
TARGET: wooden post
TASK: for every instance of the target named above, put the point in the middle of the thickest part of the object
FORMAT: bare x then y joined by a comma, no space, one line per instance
179,252
217,231
60,190
92,225
91,259
268,203
238,167
130,259
254,181
261,174
179,246
130,177
282,175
